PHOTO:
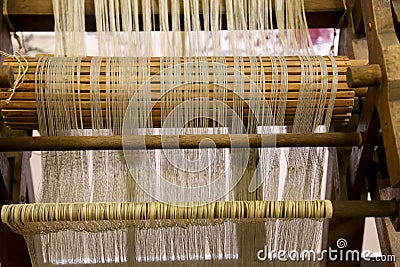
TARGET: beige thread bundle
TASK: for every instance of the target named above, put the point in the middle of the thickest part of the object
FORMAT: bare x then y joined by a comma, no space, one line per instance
153,214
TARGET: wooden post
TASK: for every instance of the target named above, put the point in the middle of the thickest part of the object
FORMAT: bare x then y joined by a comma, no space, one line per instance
384,49
6,76
389,237
361,157
13,249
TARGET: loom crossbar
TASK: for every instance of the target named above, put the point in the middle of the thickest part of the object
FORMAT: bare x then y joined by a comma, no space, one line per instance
64,143
38,16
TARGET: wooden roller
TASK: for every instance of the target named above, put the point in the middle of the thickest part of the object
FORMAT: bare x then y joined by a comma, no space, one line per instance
21,113
39,15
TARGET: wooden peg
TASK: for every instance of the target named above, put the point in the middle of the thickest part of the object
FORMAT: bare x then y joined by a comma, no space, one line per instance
364,76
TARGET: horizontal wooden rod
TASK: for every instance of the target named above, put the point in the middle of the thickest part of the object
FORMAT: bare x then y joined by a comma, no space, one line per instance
66,143
364,76
45,7
18,125
38,15
360,208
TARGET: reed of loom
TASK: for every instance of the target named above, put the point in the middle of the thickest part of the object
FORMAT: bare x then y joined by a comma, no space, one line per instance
20,112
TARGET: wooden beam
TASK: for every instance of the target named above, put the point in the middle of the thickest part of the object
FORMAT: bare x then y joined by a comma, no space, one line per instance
5,39
384,50
140,142
15,168
22,188
5,172
389,235
26,194
16,175
350,229
45,7
396,15
28,15
13,249
362,157
332,176
351,41
17,253
6,46
355,17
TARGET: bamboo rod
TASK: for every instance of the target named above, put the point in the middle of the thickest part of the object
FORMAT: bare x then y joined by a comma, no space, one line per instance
18,125
64,143
230,78
157,95
155,87
88,105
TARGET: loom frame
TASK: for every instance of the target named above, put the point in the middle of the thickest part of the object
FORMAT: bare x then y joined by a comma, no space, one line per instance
369,27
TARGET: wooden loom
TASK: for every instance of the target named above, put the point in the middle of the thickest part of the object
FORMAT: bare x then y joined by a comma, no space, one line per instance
375,118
